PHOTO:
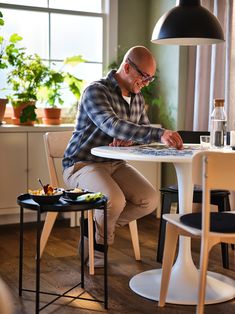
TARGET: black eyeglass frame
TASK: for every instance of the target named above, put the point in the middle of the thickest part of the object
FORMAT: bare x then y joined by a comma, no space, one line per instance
145,76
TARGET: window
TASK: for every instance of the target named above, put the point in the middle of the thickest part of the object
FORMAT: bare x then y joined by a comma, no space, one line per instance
56,29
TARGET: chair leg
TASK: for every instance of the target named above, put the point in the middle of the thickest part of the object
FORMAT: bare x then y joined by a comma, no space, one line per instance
165,209
204,256
168,259
225,255
73,220
224,205
47,227
135,239
91,242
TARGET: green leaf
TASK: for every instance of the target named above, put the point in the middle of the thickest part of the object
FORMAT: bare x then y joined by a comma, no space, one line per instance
75,60
14,38
57,77
28,114
74,84
1,20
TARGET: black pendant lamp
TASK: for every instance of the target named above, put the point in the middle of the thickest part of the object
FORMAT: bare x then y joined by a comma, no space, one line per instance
188,24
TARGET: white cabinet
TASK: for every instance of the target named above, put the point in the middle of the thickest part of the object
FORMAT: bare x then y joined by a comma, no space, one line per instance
13,169
22,162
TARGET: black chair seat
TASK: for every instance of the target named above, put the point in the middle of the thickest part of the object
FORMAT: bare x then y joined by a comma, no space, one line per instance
219,222
197,188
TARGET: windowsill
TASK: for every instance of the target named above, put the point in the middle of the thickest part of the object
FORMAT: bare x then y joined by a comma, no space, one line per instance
37,128
65,119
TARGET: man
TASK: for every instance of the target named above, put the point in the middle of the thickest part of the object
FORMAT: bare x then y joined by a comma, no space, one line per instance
112,113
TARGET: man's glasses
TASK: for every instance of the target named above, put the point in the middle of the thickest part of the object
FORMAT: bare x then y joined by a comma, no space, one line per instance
145,76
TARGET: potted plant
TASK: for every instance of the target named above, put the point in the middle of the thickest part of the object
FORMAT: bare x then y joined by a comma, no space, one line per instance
3,103
51,91
5,45
25,77
14,57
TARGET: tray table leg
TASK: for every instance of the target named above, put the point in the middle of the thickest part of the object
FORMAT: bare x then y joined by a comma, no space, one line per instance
21,249
38,260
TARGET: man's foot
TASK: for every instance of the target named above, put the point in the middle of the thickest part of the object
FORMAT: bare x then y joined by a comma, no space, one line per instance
99,248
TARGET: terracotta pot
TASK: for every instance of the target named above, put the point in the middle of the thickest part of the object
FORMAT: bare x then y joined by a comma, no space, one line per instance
51,116
17,113
3,103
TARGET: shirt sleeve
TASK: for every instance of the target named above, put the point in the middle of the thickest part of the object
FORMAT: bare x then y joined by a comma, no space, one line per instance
97,103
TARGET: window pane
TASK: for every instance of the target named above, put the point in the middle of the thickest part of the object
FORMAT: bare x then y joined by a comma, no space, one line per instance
73,35
86,71
27,24
3,83
77,5
33,3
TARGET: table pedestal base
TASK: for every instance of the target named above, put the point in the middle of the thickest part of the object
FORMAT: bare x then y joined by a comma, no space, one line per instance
219,288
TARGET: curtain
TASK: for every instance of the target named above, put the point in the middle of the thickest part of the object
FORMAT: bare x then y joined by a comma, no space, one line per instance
210,73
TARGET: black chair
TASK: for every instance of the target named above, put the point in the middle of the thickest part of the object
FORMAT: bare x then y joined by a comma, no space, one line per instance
169,195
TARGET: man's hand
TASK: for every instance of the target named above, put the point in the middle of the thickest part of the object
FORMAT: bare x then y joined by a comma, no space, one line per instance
117,142
172,139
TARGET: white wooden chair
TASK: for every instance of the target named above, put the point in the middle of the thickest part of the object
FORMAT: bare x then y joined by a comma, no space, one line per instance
55,145
218,173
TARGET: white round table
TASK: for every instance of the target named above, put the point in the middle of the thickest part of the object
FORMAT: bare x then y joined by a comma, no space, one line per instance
184,277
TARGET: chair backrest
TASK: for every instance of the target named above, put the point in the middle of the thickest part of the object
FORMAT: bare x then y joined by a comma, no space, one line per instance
219,169
55,145
218,173
190,137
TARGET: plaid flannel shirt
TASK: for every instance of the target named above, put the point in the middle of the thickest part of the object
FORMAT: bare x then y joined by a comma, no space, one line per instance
104,115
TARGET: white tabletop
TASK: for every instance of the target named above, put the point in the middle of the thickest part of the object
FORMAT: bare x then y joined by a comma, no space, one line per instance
154,152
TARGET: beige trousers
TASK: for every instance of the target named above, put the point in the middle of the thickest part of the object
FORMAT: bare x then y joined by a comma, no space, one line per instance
130,195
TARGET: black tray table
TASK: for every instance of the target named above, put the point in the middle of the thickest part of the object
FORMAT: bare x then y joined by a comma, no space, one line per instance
26,202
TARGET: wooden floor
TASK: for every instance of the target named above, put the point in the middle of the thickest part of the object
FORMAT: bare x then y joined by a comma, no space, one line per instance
60,269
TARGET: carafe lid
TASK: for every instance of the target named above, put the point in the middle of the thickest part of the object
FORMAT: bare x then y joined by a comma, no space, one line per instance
219,102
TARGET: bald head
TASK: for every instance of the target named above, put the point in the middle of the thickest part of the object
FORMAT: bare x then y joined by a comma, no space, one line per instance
141,56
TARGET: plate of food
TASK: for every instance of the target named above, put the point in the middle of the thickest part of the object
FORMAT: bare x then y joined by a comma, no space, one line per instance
74,193
47,195
86,197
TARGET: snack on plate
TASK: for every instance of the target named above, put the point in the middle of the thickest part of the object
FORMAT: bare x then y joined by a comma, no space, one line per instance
90,197
74,193
47,190
76,190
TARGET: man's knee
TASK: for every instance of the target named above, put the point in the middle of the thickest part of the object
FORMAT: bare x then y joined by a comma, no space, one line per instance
151,201
116,204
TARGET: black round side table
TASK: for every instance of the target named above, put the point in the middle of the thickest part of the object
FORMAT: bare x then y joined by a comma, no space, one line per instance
25,202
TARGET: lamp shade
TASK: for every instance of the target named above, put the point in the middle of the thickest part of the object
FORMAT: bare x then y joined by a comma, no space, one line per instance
188,24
